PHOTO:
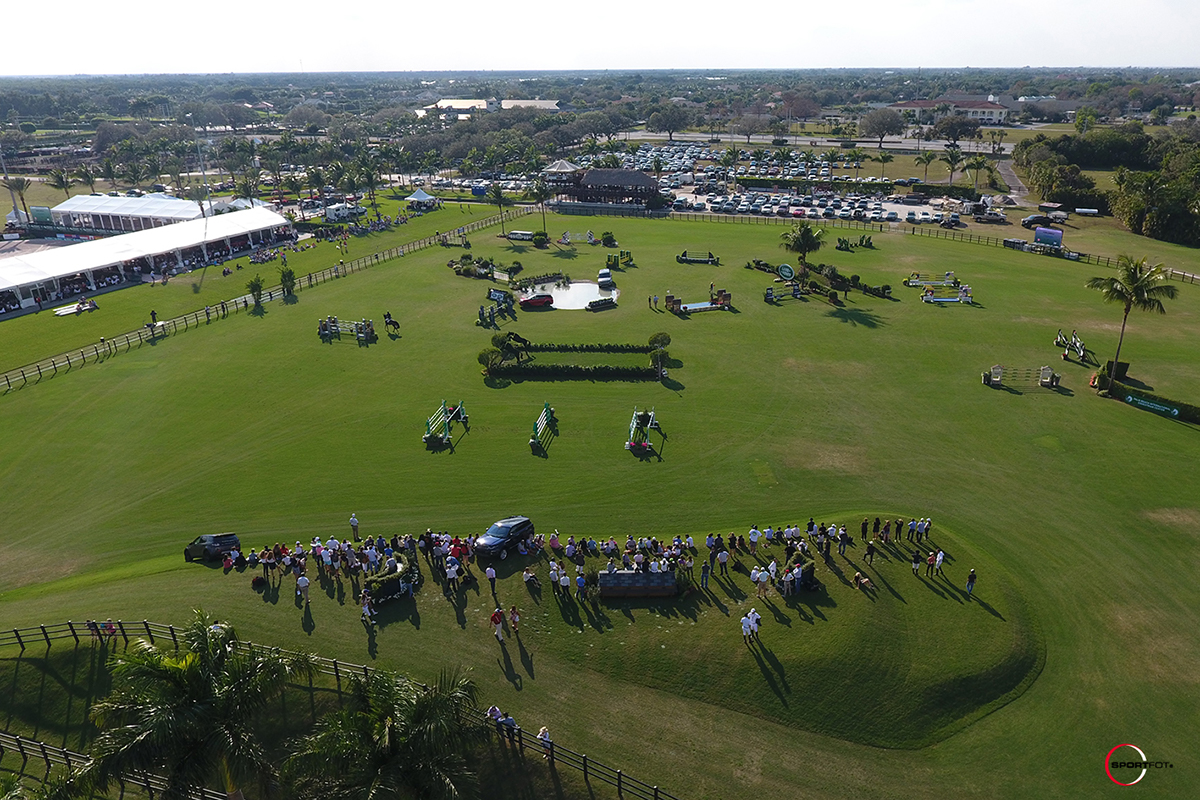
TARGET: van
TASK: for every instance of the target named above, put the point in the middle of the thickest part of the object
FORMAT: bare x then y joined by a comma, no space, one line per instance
605,279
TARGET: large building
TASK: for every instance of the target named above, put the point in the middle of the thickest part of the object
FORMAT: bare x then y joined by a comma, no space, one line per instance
985,112
63,272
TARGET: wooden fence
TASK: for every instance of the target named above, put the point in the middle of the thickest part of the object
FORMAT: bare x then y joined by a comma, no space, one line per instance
158,633
106,348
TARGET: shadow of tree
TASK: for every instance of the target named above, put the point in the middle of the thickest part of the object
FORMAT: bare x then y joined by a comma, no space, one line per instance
856,316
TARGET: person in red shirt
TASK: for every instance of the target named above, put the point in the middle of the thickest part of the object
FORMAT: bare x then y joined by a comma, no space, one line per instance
497,619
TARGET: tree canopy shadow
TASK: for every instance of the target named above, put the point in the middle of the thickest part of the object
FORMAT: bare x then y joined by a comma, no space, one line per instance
856,316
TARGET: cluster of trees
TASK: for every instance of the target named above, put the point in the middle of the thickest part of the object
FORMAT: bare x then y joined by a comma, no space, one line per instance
196,718
1157,177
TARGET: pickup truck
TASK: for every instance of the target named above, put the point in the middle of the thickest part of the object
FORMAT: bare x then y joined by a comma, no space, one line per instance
991,216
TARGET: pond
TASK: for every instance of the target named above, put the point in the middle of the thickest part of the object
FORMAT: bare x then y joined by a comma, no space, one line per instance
577,295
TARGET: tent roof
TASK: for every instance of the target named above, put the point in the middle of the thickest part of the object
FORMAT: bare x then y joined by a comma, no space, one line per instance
561,166
151,205
63,261
420,196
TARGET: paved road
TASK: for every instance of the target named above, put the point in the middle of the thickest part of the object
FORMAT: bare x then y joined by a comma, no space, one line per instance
813,140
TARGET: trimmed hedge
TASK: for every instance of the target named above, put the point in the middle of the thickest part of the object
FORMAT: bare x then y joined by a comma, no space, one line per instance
554,347
1120,391
574,372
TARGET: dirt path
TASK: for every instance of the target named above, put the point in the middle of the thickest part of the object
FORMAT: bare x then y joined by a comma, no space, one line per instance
1017,189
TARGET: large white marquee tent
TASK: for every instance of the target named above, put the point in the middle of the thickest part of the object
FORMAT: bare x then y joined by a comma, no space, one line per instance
41,271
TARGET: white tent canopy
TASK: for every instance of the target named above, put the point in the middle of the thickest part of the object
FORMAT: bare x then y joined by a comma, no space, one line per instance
61,262
420,196
561,166
152,205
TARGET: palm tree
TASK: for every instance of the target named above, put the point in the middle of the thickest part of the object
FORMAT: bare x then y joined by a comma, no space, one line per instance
884,158
857,154
87,176
1136,285
656,166
924,160
496,195
296,186
109,170
315,178
188,716
133,173
976,164
19,185
952,158
393,740
59,178
539,193
803,238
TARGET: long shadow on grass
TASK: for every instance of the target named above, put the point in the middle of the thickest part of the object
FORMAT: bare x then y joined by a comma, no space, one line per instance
767,674
856,316
526,658
510,674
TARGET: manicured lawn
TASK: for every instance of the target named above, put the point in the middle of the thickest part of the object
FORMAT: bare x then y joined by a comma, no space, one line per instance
1079,513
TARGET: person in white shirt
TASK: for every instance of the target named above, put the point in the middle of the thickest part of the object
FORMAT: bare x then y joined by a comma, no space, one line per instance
302,587
753,537
747,629
654,565
754,618
490,573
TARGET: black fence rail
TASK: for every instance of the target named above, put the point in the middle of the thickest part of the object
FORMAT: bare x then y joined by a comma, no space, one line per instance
155,632
106,348
51,757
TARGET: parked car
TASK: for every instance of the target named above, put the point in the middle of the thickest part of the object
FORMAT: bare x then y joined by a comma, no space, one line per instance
605,279
502,536
211,546
891,216
1036,221
537,301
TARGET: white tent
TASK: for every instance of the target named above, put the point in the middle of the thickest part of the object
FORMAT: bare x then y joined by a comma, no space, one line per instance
59,262
561,166
420,196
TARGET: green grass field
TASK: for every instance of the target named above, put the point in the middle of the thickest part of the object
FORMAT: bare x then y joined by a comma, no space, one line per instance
1079,513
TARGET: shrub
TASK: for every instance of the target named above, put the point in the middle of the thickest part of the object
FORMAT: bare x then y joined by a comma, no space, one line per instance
607,239
569,372
854,280
833,296
287,279
660,340
540,239
813,286
886,289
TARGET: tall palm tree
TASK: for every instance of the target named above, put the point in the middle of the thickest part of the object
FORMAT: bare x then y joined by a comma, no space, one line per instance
858,155
803,238
1135,285
59,178
392,740
976,164
20,185
315,178
952,158
496,195
924,160
188,716
133,173
539,193
87,176
109,170
884,158
656,166
296,186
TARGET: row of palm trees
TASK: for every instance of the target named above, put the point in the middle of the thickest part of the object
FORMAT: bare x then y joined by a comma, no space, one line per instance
194,718
952,157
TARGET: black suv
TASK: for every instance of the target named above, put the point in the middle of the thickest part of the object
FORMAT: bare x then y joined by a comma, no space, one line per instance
503,536
1036,221
211,546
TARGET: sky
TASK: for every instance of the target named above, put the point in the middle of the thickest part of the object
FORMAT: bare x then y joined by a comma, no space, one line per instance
140,36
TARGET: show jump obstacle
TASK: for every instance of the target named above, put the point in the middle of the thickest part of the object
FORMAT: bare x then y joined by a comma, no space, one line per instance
439,427
639,430
545,428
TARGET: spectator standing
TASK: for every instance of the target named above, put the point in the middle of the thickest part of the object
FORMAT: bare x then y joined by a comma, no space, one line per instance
938,564
544,737
723,560
490,572
871,552
705,569
916,561
497,620
970,583
302,587
746,629
354,526
513,619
